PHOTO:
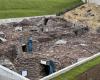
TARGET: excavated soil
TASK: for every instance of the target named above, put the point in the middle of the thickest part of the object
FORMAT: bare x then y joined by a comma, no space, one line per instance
54,38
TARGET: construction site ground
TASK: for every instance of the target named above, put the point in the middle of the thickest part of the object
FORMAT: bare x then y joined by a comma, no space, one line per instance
54,38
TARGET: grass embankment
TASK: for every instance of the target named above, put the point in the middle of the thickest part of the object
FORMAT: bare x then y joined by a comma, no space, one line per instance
22,8
72,74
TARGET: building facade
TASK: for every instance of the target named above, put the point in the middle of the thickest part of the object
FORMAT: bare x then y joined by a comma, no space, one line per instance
92,1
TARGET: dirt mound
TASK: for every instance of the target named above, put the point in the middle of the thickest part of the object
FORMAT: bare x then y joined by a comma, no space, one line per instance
87,14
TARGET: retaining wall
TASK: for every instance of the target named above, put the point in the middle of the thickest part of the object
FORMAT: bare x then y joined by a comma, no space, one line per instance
6,74
70,67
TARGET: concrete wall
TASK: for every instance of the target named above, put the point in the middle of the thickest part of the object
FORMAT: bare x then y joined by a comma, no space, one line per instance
6,74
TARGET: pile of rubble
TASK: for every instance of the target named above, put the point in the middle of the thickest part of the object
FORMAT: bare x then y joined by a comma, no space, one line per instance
53,38
87,14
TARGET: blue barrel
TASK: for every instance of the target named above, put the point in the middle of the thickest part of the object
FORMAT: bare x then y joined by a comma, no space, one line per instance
29,45
51,67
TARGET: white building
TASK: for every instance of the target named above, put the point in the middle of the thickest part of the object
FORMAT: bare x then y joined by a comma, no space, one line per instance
92,1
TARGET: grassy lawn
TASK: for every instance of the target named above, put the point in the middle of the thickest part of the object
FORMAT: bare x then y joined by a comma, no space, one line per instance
21,8
71,75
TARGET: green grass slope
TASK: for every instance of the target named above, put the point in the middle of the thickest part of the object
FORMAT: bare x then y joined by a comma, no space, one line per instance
21,8
72,74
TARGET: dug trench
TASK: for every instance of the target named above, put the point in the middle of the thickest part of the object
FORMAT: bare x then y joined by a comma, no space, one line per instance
53,38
